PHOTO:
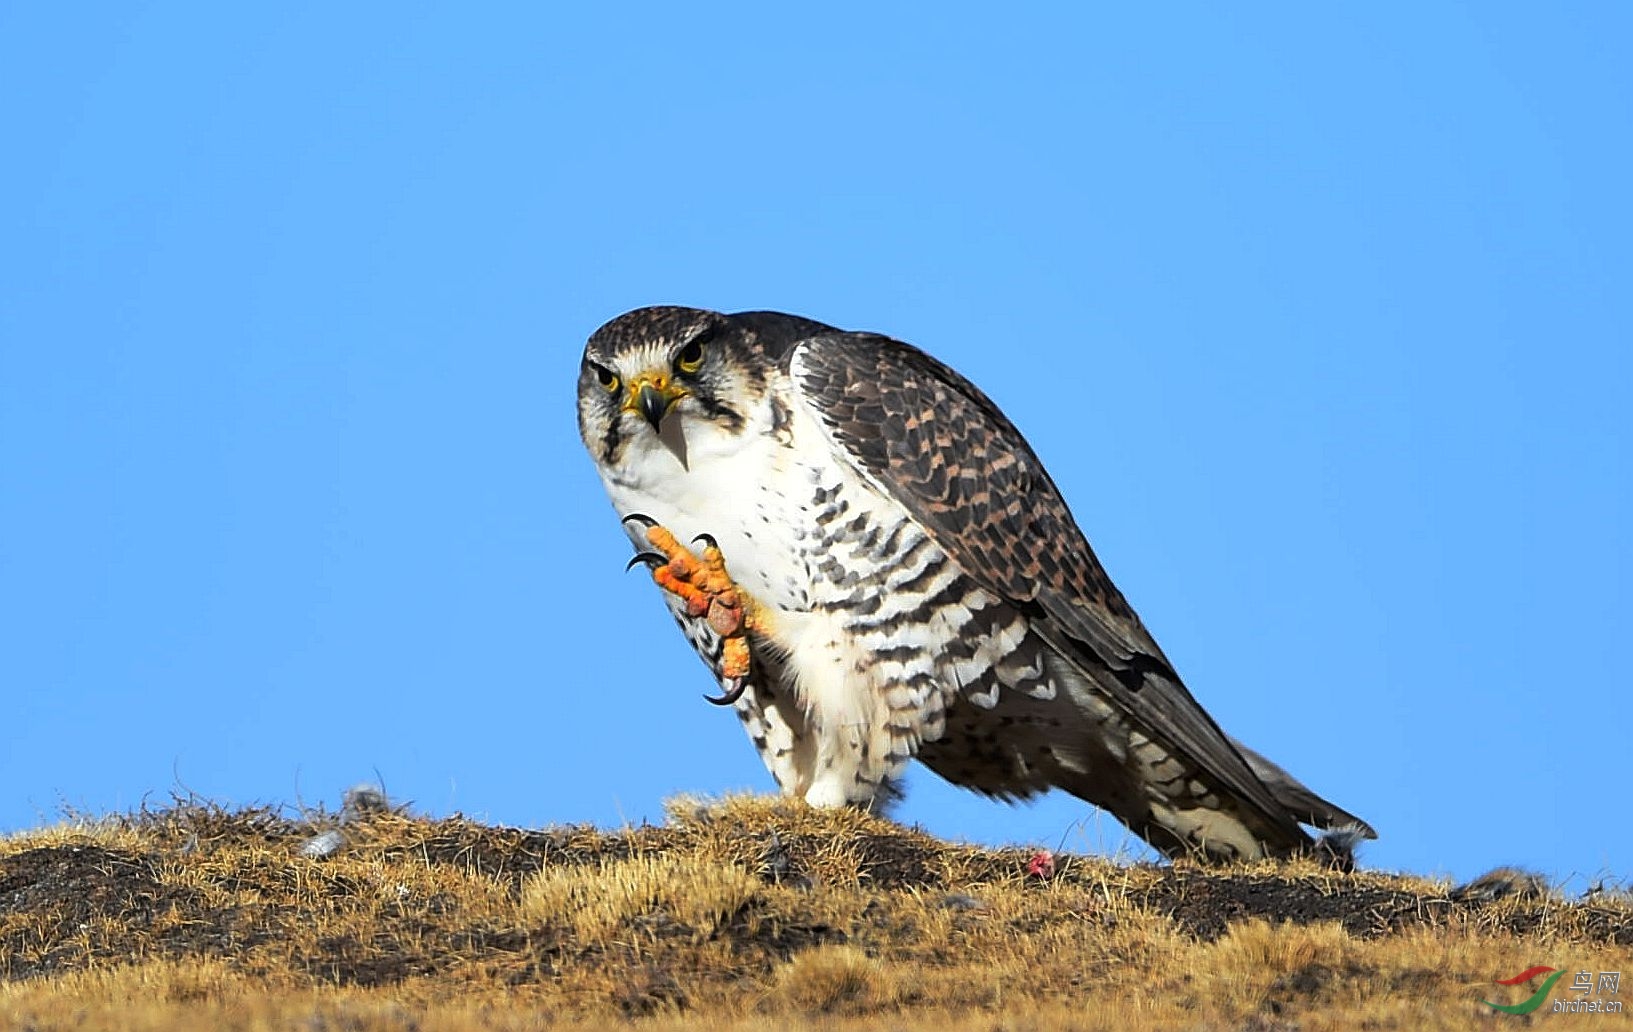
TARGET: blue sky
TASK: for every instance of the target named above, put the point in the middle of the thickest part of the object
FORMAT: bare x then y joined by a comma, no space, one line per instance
291,492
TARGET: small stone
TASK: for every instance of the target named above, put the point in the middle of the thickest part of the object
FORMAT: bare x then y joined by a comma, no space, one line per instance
323,845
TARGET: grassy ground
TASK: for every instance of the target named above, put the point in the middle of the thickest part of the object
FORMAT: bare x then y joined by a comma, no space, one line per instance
743,914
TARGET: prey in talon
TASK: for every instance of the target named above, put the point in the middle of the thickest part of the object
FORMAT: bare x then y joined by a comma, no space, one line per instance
707,591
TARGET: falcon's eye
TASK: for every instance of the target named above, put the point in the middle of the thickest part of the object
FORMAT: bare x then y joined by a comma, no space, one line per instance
690,359
608,378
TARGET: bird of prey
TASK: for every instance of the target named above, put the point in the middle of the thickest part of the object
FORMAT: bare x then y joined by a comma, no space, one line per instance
876,566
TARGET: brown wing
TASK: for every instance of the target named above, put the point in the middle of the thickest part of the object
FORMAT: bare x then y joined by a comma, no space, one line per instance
940,447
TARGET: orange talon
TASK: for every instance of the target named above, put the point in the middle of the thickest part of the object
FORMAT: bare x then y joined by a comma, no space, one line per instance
664,541
701,581
672,580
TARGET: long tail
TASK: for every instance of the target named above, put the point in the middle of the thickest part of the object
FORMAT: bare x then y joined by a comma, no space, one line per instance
1305,806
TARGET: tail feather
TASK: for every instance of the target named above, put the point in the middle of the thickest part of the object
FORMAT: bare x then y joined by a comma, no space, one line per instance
1304,805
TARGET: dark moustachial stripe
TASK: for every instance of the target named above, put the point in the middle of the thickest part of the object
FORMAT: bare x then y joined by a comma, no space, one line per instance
610,442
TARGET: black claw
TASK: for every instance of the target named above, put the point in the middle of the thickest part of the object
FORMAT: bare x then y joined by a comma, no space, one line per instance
641,518
652,559
708,541
731,695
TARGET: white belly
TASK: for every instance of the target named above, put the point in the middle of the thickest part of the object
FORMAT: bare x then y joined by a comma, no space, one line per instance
773,503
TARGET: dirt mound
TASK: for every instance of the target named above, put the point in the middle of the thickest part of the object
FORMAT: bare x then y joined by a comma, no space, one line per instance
727,909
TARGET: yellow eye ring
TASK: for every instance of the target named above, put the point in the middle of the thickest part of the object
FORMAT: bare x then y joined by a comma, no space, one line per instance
690,359
608,378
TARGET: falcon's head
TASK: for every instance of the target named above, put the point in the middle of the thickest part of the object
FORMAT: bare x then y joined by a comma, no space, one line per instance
660,370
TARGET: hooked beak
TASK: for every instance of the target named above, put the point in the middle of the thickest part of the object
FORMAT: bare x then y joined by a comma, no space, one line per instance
652,397
652,405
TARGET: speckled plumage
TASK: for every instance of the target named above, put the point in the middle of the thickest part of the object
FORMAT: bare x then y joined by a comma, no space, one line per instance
927,592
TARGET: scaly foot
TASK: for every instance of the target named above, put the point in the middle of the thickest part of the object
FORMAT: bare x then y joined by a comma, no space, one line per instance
709,592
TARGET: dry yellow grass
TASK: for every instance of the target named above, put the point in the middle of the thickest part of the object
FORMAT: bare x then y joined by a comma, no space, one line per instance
748,913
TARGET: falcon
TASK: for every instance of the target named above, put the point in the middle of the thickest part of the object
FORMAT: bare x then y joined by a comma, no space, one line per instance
876,567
